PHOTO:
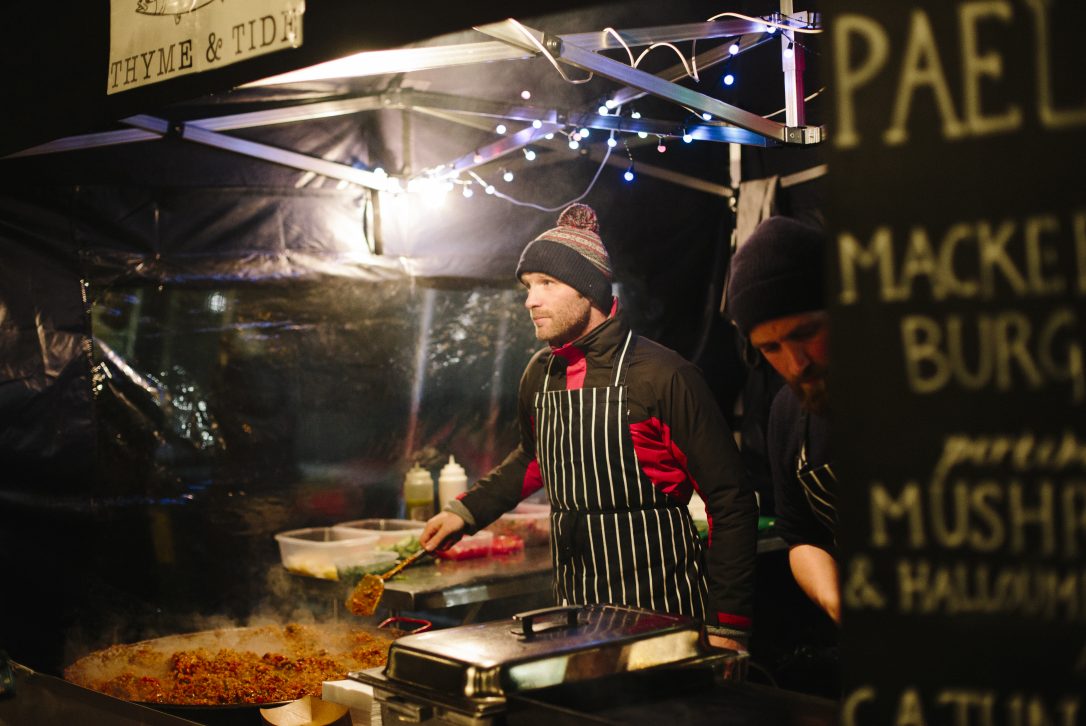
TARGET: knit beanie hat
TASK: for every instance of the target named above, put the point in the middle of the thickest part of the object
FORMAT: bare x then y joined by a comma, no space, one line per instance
777,272
573,253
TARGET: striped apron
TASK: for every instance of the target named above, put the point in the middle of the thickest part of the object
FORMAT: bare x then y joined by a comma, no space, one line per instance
819,484
614,537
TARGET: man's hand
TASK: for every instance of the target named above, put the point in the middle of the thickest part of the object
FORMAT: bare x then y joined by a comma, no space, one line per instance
719,641
443,530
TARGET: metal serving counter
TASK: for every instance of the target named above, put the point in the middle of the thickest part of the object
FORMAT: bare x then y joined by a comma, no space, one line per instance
444,584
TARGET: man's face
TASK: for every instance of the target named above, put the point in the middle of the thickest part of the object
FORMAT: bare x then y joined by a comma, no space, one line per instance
559,313
798,347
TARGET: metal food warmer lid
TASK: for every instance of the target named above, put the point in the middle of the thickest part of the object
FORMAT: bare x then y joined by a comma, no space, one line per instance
478,665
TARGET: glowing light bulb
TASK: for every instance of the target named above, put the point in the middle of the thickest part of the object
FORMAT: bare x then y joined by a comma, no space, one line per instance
500,128
489,189
548,136
525,94
537,124
661,148
729,79
733,49
687,138
642,134
610,103
602,110
635,114
583,133
507,176
611,142
379,172
629,175
529,155
707,116
468,191
574,144
789,51
771,29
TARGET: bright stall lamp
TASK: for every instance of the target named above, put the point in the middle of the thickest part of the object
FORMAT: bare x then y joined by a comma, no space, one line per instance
629,175
529,154
525,94
507,175
574,144
687,138
537,124
500,128
729,79
733,49
611,142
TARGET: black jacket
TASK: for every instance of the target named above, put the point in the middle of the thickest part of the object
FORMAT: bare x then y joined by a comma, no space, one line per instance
681,441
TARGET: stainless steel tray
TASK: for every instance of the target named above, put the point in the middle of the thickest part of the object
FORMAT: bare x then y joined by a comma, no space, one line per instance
542,648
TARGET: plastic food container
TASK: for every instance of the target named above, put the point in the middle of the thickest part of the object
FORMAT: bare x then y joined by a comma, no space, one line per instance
476,545
314,551
533,525
351,569
396,535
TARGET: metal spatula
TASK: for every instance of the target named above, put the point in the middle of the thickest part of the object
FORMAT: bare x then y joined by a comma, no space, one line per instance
367,593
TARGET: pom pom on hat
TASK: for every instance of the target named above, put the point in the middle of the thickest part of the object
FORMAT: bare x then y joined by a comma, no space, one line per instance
580,216
573,253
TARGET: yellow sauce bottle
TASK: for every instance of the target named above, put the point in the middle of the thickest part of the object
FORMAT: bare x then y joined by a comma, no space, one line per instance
418,494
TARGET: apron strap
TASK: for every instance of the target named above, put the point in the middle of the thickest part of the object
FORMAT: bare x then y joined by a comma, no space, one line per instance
801,458
547,374
624,357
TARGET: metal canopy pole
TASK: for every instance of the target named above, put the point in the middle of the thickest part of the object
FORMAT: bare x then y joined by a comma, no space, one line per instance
792,61
514,33
265,152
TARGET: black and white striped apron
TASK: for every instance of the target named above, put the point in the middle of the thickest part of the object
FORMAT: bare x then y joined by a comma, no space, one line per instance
614,537
818,482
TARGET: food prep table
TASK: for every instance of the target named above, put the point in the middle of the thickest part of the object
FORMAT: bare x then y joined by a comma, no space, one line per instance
437,585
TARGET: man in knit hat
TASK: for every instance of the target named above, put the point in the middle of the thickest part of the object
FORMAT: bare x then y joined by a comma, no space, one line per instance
620,431
776,299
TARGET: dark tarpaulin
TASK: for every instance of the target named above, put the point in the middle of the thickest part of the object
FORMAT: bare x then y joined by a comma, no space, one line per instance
202,349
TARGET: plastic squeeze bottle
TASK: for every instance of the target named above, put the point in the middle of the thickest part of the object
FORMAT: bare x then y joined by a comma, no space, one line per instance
418,493
451,482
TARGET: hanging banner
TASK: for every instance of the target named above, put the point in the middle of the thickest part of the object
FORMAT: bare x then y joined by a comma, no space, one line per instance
155,40
958,272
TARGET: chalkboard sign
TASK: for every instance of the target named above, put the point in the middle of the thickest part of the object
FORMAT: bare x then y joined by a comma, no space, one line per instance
958,376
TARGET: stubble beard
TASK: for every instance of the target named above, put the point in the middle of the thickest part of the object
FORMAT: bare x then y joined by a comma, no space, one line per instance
565,325
813,392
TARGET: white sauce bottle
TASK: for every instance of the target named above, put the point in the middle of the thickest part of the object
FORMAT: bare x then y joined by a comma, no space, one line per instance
451,482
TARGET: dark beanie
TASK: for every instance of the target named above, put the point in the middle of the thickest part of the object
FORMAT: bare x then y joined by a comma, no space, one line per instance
777,272
573,253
